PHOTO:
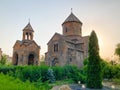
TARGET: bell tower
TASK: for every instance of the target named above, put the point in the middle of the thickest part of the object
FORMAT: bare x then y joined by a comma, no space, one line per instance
28,32
26,51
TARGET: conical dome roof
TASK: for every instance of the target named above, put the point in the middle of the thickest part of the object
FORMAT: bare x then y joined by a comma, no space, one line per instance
72,18
28,27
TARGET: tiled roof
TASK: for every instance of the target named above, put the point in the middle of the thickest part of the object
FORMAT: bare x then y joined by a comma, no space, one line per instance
72,18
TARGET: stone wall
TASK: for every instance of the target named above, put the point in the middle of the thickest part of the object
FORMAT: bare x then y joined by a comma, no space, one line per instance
22,53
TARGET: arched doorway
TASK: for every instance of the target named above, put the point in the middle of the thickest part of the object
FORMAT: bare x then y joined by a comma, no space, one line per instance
15,59
55,62
30,59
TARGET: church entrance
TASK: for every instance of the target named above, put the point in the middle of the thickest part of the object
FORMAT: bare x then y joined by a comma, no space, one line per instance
55,62
15,59
31,59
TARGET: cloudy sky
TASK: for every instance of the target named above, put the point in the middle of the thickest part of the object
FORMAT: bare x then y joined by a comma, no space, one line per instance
46,17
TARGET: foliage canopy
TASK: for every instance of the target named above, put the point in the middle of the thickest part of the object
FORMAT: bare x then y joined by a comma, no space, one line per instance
117,50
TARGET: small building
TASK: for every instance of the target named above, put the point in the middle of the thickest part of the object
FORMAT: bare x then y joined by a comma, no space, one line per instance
70,47
27,51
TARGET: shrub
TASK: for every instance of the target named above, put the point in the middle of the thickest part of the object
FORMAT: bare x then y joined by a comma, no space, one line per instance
116,81
111,71
43,72
5,69
3,60
58,72
34,73
85,62
50,76
42,86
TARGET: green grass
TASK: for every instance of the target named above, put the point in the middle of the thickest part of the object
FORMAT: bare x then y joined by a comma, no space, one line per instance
116,81
67,81
62,82
10,83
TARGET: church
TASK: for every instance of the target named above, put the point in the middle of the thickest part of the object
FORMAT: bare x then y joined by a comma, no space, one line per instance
70,47
26,51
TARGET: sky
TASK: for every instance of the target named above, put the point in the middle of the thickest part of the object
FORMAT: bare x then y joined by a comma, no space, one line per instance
46,17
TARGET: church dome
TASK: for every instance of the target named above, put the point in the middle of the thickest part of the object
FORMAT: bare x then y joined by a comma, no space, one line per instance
72,18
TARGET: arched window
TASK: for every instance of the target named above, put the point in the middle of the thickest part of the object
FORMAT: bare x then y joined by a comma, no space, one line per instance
66,30
56,47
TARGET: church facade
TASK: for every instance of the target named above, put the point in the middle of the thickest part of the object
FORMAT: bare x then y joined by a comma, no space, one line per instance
26,51
70,47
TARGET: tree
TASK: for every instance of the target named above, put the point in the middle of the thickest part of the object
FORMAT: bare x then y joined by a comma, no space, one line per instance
50,76
3,60
117,50
94,73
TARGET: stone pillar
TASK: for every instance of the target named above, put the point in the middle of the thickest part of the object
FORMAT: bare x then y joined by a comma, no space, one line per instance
31,36
19,60
23,36
25,59
27,36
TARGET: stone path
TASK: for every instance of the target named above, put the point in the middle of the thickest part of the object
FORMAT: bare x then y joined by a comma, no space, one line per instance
78,87
75,87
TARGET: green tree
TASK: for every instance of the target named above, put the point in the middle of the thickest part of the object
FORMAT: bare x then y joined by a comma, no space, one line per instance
3,60
94,73
117,50
50,76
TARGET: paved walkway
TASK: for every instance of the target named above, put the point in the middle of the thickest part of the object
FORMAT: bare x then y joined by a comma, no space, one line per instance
78,87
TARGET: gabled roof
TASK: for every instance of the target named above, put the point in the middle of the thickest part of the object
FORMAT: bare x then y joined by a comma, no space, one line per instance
25,42
28,27
72,18
63,38
56,34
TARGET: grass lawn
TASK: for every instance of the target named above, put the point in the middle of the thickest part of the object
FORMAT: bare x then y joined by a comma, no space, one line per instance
10,83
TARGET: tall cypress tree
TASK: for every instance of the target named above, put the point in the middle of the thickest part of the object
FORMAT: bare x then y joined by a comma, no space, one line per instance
94,78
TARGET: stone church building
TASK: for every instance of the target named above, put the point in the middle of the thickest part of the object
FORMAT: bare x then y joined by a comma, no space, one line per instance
26,52
70,47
